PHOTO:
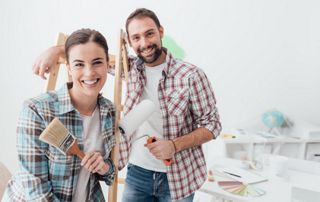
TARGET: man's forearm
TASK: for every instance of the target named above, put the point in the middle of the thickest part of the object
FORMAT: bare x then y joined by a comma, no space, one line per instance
195,138
60,51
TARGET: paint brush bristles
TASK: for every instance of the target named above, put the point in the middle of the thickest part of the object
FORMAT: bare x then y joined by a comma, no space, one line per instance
57,135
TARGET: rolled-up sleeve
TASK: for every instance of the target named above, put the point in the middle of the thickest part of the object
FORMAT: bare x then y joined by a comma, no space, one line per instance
203,103
108,178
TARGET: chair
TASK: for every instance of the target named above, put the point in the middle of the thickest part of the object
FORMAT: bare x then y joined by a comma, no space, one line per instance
309,188
5,175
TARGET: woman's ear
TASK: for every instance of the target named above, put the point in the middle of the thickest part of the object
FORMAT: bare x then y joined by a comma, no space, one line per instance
69,71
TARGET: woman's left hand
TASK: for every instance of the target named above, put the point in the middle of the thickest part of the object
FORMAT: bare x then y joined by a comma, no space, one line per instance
94,163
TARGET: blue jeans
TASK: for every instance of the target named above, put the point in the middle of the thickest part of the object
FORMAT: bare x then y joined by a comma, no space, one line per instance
147,186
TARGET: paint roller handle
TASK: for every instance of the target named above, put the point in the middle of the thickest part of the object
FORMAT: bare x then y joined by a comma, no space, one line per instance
167,162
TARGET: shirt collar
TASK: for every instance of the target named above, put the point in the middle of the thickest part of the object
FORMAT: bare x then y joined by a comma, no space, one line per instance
167,69
65,104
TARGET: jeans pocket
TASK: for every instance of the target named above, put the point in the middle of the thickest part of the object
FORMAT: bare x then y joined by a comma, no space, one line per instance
139,176
129,166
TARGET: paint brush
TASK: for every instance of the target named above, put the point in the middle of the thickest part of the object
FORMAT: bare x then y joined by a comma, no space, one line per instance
57,135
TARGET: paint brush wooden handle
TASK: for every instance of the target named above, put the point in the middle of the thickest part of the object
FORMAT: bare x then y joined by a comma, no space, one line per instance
75,150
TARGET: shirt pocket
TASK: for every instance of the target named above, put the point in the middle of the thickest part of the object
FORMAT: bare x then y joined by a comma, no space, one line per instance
59,165
177,102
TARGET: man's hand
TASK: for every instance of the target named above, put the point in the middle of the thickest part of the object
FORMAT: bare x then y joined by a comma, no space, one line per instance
112,61
94,163
161,149
47,60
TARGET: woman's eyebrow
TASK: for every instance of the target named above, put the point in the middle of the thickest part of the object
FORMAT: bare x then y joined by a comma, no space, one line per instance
97,59
77,60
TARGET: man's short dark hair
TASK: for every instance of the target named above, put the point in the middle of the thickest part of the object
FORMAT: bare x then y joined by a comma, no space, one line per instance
142,13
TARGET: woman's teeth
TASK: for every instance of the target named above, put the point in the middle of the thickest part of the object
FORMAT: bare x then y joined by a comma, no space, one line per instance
90,82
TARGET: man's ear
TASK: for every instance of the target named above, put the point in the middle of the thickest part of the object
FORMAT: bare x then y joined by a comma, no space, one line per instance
127,38
161,31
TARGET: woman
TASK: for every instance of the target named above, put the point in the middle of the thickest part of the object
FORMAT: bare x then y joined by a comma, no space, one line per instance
46,174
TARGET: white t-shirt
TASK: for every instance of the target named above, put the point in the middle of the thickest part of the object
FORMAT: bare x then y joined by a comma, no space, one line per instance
92,141
153,126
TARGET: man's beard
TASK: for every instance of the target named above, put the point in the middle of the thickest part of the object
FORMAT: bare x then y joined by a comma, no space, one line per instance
155,56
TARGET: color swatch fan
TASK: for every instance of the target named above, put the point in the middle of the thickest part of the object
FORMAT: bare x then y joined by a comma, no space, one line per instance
233,186
240,188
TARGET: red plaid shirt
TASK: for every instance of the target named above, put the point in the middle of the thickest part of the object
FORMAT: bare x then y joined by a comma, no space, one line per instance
187,102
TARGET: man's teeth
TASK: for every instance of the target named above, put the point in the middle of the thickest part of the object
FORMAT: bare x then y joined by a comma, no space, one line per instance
90,82
149,50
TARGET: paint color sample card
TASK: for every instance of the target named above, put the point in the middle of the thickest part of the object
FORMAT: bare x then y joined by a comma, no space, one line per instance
240,188
241,175
229,184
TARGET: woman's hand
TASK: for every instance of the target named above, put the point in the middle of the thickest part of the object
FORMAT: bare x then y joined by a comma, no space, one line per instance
94,163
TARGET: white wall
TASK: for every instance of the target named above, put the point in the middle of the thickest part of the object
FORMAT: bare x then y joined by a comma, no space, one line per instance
258,54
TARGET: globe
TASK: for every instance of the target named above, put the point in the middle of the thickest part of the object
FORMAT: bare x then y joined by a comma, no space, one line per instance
273,119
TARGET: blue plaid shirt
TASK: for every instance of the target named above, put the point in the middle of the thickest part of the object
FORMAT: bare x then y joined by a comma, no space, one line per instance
45,174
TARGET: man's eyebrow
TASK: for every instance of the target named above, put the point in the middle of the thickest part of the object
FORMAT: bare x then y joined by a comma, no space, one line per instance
152,29
149,30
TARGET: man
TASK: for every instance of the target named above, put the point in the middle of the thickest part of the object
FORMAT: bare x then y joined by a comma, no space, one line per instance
185,116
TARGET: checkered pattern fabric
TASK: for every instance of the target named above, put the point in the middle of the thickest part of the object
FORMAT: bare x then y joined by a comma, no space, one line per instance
187,102
45,174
